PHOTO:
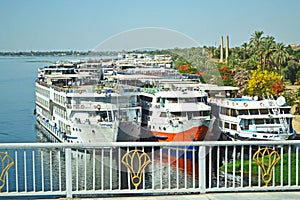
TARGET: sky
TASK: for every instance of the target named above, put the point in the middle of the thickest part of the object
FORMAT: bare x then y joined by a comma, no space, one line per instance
83,25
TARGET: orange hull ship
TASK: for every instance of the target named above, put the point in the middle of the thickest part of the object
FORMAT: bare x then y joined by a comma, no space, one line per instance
197,133
175,115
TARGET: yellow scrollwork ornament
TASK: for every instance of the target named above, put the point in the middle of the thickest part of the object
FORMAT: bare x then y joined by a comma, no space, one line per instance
136,161
266,159
6,163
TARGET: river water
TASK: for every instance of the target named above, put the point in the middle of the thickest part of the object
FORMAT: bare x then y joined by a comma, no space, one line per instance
17,122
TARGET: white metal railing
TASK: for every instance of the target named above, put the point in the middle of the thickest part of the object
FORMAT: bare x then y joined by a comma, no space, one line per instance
57,169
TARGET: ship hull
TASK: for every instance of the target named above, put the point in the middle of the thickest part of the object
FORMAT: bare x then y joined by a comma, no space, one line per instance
184,157
255,136
128,131
82,133
194,132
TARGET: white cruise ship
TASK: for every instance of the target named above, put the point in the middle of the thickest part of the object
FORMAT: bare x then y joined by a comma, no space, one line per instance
174,111
249,118
76,106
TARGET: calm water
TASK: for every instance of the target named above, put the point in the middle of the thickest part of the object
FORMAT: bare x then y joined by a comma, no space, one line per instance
17,99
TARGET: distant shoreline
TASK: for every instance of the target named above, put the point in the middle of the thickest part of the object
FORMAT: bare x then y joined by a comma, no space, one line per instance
58,53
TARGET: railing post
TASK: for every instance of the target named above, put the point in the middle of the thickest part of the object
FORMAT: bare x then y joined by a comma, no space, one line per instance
202,169
68,166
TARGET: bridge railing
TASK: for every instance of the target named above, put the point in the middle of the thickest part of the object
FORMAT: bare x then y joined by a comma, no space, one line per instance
56,169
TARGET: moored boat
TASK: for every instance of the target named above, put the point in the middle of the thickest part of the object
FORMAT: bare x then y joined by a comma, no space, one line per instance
249,118
175,115
76,106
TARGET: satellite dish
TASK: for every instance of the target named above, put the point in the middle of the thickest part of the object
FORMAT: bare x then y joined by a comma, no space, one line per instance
280,101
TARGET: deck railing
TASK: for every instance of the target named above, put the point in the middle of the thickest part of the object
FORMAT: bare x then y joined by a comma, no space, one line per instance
56,169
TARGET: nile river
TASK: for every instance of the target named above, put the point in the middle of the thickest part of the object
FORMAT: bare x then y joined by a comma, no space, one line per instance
17,86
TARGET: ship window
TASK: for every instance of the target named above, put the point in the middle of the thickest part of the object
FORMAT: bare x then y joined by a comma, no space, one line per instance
253,111
226,125
202,99
187,100
264,111
269,121
233,127
259,121
223,111
196,114
176,114
172,100
284,110
205,113
228,111
242,112
145,98
233,113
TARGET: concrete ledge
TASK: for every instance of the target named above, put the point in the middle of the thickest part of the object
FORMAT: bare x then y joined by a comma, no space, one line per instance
214,196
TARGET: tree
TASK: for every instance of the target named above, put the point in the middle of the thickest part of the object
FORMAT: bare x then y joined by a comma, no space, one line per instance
267,47
290,72
226,75
245,48
255,44
263,82
280,56
211,51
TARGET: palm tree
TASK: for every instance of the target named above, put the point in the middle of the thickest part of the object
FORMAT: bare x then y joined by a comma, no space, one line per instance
268,47
211,50
280,56
256,38
255,44
245,47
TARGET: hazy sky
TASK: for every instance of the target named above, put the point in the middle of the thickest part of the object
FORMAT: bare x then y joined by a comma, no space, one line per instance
84,24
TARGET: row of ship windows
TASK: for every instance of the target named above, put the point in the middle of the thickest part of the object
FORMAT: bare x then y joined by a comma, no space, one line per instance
262,121
175,100
60,112
228,125
59,99
42,101
43,92
188,114
62,125
246,122
234,112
